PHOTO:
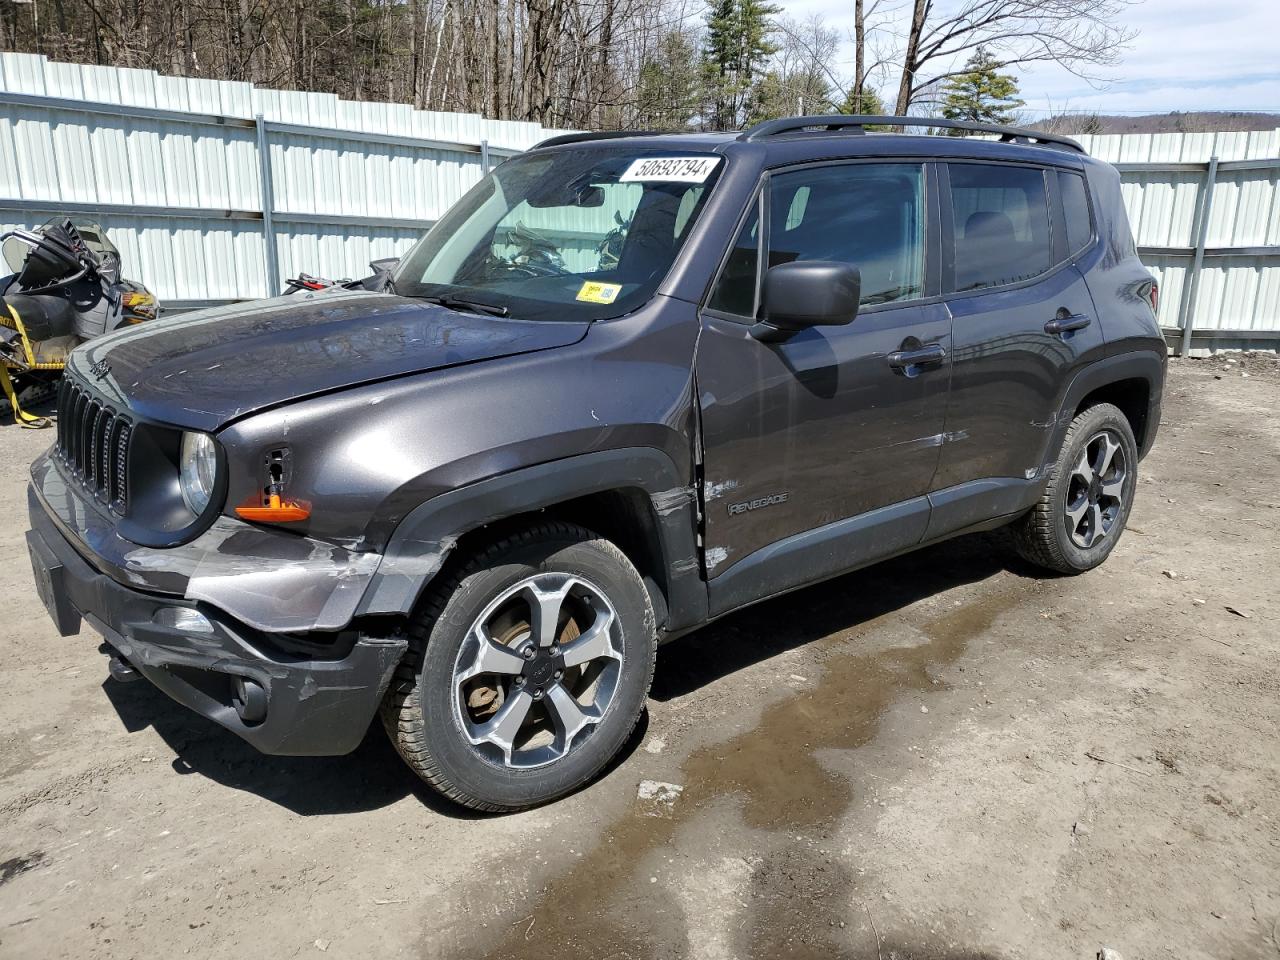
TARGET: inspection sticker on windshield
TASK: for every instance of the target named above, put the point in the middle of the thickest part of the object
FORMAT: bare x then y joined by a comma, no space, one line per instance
593,292
670,169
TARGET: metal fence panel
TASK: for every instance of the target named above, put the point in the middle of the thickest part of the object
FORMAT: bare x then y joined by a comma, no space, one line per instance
1238,288
173,167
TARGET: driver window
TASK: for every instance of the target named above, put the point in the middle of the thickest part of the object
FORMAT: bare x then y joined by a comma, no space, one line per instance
868,214
569,239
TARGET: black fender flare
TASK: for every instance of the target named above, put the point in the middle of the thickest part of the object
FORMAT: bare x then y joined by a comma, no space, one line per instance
424,539
1147,365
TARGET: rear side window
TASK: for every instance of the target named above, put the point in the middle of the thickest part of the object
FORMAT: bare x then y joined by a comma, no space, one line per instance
1075,210
1001,224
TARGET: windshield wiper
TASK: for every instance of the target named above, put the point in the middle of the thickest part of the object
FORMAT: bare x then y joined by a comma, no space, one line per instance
474,306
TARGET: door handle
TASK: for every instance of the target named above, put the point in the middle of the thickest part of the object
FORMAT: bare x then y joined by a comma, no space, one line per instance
1066,322
929,353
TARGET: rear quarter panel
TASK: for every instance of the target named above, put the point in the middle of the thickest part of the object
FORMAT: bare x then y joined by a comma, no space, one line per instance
1117,279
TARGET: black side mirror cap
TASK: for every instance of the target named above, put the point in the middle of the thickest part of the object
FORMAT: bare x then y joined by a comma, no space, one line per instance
808,293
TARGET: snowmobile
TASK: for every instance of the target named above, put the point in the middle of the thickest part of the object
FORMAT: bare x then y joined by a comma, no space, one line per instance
64,288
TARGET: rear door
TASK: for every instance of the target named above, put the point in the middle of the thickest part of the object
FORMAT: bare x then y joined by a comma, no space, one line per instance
1023,320
829,423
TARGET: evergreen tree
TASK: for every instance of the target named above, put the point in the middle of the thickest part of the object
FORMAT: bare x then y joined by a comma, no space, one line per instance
779,94
736,47
867,102
981,93
669,87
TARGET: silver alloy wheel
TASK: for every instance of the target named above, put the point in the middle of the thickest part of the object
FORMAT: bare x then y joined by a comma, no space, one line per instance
537,671
1096,489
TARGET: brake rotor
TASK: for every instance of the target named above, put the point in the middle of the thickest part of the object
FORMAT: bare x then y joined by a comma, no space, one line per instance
485,695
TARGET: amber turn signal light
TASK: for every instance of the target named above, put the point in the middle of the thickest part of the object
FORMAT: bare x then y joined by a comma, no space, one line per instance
275,510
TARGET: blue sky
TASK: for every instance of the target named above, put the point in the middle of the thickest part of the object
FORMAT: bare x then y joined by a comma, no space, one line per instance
1188,55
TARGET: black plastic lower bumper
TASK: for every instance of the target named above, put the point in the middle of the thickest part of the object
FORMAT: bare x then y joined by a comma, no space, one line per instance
313,706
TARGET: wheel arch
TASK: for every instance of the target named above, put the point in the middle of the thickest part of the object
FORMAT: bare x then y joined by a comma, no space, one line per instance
1131,395
634,497
1133,381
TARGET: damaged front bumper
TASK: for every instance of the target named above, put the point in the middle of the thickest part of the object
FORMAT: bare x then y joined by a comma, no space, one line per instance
281,694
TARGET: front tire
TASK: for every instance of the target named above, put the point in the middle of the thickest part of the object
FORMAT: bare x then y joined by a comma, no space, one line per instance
1085,505
527,670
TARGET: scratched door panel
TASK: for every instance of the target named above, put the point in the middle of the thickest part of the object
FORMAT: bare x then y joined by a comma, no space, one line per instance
1009,374
1009,371
817,428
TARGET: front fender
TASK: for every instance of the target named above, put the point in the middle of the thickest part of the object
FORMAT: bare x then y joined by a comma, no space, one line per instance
424,539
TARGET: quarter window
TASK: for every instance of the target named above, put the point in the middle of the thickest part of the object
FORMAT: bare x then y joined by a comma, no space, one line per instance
1001,224
735,291
1075,210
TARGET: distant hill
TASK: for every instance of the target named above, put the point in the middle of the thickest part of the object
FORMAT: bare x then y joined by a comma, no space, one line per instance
1176,122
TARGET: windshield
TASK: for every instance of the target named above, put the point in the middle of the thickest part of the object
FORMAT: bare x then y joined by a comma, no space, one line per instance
91,232
577,234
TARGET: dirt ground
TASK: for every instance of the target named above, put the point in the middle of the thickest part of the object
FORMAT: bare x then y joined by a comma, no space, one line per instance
947,756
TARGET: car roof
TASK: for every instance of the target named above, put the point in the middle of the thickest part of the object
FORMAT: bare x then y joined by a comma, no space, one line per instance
800,146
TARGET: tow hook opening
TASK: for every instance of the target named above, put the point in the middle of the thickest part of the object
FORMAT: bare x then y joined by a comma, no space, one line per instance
119,668
249,699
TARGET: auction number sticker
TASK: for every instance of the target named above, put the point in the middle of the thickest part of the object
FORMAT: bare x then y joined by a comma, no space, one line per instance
670,169
594,292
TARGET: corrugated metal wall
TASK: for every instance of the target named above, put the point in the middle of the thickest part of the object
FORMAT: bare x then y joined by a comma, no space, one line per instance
173,172
183,200
1239,285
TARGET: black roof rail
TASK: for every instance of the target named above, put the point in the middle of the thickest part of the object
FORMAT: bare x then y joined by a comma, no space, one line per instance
600,135
857,123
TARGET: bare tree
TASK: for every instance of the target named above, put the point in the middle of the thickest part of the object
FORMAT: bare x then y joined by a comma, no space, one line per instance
599,64
1080,35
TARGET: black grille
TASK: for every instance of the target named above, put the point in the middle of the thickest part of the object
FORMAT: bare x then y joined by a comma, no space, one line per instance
93,444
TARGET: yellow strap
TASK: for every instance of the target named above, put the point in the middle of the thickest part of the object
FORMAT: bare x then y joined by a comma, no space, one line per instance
6,384
22,332
26,345
19,415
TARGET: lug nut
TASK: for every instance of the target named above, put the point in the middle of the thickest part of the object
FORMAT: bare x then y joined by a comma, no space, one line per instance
519,681
527,653
559,674
537,694
555,649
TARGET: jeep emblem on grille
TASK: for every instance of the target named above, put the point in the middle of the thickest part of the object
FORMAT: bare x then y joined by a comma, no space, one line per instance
100,369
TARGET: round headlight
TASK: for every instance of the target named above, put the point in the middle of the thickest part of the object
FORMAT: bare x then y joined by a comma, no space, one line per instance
198,470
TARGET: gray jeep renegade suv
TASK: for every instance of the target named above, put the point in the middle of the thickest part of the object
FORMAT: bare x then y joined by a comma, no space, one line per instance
628,384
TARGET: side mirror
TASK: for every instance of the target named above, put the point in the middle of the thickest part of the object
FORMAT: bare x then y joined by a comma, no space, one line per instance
808,293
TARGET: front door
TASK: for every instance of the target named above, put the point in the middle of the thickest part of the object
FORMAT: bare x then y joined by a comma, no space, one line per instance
833,423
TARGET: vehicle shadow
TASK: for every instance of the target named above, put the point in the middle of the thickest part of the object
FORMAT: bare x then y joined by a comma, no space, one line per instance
374,776
369,778
795,619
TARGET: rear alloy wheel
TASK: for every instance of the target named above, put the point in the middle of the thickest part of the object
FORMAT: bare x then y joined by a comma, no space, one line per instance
1085,504
527,670
1095,491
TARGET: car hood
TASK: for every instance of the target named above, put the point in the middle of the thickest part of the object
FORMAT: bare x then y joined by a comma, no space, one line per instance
202,370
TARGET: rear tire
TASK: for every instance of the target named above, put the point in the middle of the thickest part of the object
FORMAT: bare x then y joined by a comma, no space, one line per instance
499,710
1085,505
